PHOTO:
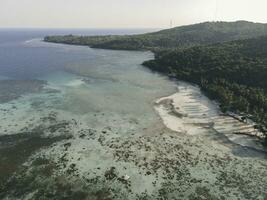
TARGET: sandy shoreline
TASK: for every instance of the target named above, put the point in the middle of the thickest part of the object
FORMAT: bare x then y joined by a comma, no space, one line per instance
189,112
102,139
104,151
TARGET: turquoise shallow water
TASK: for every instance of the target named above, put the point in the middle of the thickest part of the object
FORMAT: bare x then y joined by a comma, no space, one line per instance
92,131
88,81
109,82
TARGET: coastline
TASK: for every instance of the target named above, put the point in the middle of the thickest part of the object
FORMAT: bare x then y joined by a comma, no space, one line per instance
117,147
174,123
190,112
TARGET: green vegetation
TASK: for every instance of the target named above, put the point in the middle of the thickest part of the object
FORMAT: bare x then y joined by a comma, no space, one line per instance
184,36
234,73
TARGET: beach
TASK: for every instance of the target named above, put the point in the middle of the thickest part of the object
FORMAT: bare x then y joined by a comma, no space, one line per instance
101,126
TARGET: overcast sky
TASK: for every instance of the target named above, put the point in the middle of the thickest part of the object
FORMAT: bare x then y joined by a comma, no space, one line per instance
126,13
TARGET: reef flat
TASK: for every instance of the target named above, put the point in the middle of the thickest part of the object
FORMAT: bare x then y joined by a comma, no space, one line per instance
13,89
102,155
94,131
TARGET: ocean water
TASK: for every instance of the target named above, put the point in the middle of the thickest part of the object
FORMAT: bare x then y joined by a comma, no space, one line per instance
91,80
22,58
88,123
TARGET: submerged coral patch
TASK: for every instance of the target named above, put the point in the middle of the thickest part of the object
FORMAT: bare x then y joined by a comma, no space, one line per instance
13,89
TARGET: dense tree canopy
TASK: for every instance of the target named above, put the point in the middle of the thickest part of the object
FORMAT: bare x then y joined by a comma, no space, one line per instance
234,73
184,36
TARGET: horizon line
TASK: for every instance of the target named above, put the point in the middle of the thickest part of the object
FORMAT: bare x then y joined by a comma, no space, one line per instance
131,28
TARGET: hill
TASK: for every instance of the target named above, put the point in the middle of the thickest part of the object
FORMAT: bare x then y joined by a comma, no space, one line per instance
228,60
179,37
233,73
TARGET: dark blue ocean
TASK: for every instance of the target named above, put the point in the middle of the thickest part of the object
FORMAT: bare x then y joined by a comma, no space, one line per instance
102,126
21,60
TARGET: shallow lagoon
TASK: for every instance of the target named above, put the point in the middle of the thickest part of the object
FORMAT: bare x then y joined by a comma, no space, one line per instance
94,133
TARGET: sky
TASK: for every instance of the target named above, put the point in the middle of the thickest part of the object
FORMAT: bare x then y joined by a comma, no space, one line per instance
126,13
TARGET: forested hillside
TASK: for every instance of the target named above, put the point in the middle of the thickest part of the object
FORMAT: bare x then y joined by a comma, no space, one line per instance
227,59
234,73
184,36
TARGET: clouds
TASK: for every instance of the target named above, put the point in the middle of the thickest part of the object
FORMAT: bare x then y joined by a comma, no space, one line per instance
125,13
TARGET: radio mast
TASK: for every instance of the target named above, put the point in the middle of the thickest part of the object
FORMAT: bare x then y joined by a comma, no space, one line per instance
171,23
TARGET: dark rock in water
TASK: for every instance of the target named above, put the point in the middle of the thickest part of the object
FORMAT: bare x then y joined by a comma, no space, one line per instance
16,149
13,89
111,173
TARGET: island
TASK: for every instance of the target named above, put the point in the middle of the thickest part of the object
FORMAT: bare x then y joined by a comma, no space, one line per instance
228,60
